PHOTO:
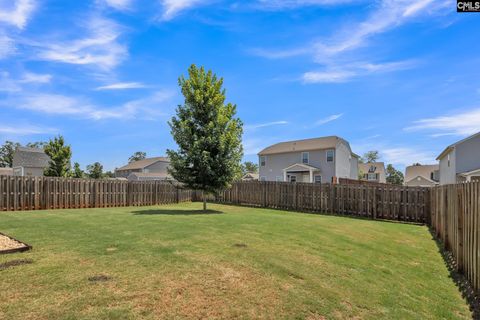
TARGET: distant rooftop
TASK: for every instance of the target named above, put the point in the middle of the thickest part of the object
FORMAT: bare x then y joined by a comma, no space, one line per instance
140,164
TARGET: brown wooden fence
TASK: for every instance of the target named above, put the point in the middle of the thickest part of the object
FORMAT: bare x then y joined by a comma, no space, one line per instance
455,219
36,193
377,202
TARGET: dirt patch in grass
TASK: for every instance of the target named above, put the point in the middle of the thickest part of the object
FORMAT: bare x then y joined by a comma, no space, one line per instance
240,245
99,278
14,263
8,244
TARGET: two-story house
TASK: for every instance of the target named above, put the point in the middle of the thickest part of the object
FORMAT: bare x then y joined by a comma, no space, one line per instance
319,160
461,161
147,169
373,172
419,175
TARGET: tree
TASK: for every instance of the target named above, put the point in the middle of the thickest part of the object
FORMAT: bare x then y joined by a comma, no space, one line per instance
394,176
95,170
249,167
60,155
109,174
139,155
37,144
77,171
370,156
208,135
6,153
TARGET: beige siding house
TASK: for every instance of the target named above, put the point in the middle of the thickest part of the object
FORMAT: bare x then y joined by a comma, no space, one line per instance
250,176
422,175
146,169
319,160
461,161
6,172
373,172
29,162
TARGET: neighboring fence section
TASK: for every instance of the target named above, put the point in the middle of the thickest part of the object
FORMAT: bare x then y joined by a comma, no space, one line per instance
377,202
36,193
455,220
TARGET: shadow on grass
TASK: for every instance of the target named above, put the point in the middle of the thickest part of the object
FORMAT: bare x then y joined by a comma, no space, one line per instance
174,212
460,280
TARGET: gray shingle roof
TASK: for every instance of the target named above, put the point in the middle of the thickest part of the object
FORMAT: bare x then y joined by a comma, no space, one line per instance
140,164
30,157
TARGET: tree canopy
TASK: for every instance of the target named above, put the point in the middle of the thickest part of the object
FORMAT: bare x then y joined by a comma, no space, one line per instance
139,155
249,167
370,156
60,156
95,170
394,176
207,133
6,153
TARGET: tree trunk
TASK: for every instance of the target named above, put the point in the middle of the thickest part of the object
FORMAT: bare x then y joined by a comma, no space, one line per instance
204,201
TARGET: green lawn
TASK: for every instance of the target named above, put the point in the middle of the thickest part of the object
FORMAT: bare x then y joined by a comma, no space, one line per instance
235,262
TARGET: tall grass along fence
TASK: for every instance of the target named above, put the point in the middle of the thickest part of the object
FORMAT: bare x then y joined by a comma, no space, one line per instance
372,201
36,193
455,220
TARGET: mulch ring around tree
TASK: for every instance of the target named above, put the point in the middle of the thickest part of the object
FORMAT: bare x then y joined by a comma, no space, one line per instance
11,245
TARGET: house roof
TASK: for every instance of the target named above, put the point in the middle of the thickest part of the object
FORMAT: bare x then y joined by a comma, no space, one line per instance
301,167
470,172
379,167
251,175
140,164
452,146
329,142
30,157
412,172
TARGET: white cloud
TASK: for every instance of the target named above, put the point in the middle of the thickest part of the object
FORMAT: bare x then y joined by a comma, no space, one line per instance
289,4
7,46
405,156
347,72
119,4
101,46
56,104
462,124
16,12
328,119
172,8
25,130
279,54
36,78
122,86
267,124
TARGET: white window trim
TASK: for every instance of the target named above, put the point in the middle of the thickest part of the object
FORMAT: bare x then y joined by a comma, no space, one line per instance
374,176
308,157
263,178
292,176
315,176
278,178
333,157
264,161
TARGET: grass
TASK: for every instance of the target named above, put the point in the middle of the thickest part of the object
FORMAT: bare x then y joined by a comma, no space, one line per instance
170,262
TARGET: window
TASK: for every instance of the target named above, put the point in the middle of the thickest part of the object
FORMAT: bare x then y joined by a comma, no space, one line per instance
372,169
278,178
372,176
448,160
263,179
293,178
317,179
330,155
305,156
263,161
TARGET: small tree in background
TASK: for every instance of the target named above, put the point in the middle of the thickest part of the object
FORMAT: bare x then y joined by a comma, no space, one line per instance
139,155
370,156
77,171
208,135
249,167
60,155
6,153
37,144
109,174
394,176
95,170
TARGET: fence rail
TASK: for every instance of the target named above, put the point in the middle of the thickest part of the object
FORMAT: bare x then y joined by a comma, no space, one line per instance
455,219
37,193
373,201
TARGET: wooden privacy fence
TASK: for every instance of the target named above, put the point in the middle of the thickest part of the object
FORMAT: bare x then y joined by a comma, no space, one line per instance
455,219
377,202
36,193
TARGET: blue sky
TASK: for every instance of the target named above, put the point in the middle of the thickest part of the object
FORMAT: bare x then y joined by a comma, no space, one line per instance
401,77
